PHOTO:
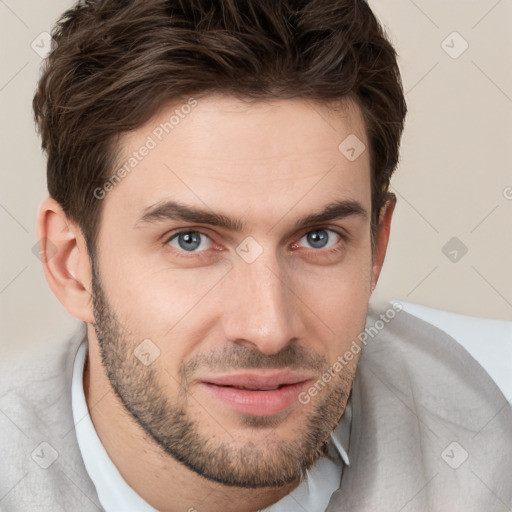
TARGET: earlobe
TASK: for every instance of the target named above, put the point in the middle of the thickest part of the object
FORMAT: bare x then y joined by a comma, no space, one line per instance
65,259
382,238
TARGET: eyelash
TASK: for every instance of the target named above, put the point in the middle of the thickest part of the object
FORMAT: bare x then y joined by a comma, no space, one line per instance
338,247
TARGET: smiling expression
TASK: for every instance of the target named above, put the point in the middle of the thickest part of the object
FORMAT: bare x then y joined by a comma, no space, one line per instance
239,249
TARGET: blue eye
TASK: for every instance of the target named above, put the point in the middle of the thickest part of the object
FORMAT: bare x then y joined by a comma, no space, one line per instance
320,238
194,242
189,241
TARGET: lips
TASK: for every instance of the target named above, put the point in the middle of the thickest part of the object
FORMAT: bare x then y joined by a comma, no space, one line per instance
257,393
258,381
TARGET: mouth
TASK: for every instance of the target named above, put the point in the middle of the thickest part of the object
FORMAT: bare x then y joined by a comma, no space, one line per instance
257,393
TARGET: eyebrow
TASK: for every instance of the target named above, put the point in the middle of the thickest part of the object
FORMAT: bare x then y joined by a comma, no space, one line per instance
176,211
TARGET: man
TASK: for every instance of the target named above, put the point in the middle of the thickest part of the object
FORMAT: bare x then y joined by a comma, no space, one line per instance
218,219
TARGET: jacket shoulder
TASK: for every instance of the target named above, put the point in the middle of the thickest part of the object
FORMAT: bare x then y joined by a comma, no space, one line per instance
41,468
426,415
44,362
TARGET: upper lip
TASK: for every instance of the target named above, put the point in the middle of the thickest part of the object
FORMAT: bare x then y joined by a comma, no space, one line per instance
258,380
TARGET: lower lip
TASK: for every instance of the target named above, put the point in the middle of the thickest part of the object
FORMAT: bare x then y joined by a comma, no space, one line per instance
257,403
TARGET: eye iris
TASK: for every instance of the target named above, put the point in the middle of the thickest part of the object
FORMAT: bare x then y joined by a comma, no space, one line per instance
192,237
191,240
318,238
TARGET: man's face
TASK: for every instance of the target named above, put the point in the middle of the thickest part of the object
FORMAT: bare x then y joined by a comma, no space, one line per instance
209,337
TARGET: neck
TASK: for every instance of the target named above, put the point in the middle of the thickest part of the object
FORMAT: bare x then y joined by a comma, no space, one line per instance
157,477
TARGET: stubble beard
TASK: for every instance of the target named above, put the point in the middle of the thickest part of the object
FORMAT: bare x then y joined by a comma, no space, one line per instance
275,462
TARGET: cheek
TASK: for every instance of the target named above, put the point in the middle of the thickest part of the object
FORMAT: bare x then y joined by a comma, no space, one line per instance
349,277
157,296
170,307
339,300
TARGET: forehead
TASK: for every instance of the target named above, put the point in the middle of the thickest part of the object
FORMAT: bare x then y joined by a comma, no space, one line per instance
227,153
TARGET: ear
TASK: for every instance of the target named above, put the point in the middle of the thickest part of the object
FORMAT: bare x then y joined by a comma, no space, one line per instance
65,259
382,238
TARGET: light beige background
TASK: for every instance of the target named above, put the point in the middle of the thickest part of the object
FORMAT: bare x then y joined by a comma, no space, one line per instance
454,179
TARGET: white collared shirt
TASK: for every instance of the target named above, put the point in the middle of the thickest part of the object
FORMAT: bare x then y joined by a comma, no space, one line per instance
115,495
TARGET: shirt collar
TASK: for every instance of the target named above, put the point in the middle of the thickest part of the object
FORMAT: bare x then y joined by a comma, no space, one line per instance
340,438
113,491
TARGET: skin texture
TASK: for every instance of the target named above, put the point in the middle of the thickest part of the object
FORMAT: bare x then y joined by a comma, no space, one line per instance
297,305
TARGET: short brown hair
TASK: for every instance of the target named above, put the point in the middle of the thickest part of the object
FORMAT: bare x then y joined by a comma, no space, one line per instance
114,63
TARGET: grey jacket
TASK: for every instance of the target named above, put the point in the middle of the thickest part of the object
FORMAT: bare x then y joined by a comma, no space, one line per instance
430,432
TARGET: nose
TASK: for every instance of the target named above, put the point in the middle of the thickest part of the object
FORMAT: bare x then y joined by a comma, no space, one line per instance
263,310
